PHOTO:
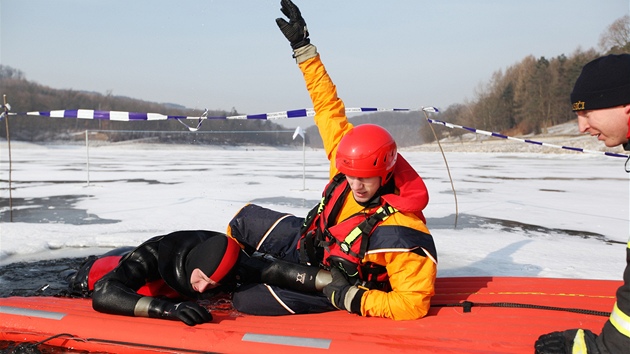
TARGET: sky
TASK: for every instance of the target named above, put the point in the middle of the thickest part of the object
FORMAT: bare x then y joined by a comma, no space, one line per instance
225,54
518,214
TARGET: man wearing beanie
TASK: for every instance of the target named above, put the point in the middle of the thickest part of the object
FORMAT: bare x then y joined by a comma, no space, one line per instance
162,277
601,99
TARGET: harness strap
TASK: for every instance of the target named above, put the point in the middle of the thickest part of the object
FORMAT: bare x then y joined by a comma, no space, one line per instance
308,250
321,237
308,253
365,228
370,273
317,210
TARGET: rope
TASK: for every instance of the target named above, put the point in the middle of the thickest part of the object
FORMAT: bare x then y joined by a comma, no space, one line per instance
30,347
448,170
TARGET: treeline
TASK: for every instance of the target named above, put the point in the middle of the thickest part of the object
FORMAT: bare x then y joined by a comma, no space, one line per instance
24,95
527,98
533,94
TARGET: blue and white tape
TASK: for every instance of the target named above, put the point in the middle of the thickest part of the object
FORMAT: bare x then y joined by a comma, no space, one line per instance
136,116
528,141
297,113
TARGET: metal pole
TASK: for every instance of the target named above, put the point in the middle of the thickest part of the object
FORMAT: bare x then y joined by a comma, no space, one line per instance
87,151
6,116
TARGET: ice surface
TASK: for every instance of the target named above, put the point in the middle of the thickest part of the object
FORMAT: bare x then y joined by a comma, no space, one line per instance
518,214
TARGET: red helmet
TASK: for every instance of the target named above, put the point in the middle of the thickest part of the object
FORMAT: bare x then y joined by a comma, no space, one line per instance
367,150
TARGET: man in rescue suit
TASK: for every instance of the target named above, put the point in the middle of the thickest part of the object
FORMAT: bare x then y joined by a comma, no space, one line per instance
163,277
601,99
166,275
368,230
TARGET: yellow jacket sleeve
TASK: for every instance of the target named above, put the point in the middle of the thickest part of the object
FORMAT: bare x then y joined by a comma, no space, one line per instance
412,278
330,112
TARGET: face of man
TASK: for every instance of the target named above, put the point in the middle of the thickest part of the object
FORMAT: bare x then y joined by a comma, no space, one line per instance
609,125
364,188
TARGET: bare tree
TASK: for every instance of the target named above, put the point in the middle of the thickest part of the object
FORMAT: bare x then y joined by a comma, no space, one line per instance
616,39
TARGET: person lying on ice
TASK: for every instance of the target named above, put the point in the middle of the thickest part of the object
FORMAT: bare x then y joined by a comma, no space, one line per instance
601,100
164,276
369,229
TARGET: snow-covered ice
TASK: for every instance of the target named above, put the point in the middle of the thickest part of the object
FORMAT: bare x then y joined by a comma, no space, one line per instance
518,214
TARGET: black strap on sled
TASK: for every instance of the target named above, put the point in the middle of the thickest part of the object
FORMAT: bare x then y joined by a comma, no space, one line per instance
468,305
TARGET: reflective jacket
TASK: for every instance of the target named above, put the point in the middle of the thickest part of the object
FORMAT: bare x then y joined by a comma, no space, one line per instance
407,252
615,336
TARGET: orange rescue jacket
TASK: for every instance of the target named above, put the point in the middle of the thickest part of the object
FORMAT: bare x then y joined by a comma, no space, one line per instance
411,270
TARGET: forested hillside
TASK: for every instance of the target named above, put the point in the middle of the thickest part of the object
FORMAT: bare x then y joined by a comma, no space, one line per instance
532,95
525,98
24,95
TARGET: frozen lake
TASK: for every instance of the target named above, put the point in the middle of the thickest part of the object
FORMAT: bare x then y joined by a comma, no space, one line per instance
519,214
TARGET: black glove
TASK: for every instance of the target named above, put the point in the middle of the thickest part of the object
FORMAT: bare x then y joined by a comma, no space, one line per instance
295,30
562,342
341,294
188,312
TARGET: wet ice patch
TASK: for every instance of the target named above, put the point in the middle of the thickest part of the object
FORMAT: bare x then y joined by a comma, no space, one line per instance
466,221
55,209
287,201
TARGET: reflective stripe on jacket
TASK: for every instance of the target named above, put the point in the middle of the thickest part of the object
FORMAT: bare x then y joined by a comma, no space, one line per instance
615,336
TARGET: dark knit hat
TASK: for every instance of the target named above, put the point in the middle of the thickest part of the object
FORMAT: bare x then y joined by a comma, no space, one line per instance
215,257
603,83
